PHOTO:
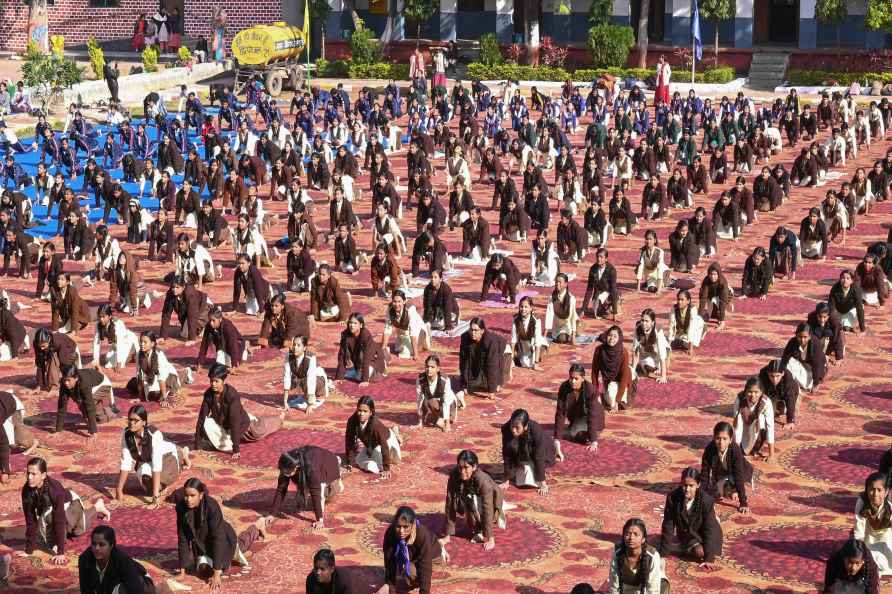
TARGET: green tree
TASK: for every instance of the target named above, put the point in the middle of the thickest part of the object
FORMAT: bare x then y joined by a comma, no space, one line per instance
97,57
599,12
879,15
717,11
832,12
49,74
420,11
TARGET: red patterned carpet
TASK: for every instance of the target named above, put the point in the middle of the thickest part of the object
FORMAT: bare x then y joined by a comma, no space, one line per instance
801,508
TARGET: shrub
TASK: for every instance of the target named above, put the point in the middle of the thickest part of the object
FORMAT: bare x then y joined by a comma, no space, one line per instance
817,78
515,52
57,44
364,47
150,59
184,55
720,75
610,45
384,70
490,52
552,55
97,57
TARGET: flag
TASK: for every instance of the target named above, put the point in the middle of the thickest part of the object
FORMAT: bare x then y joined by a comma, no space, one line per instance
307,25
695,31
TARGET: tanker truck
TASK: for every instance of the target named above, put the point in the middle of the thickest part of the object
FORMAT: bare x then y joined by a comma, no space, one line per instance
271,51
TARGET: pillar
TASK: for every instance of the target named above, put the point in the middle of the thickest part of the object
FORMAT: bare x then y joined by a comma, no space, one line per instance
808,26
505,20
448,8
743,24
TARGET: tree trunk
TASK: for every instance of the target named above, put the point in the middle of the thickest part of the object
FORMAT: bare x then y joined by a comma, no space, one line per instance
322,43
716,43
643,18
531,30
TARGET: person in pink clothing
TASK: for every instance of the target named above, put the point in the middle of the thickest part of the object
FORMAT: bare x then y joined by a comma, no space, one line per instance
664,74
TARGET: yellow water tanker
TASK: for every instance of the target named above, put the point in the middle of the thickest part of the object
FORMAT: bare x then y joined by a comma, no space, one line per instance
262,44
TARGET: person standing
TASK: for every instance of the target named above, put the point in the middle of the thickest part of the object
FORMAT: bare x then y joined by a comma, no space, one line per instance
110,74
218,30
664,74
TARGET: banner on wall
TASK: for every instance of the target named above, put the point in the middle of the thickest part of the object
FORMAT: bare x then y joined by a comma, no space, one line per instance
38,26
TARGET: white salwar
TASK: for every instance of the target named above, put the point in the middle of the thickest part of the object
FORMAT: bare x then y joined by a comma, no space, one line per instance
652,276
449,399
801,372
525,350
315,373
402,338
126,344
549,271
556,326
160,448
200,263
652,359
696,329
373,461
254,246
6,348
166,372
747,435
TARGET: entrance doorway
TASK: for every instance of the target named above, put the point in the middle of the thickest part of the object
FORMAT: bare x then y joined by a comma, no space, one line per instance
776,22
656,17
175,12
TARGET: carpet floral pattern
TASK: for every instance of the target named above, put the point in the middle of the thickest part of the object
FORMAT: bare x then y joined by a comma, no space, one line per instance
802,506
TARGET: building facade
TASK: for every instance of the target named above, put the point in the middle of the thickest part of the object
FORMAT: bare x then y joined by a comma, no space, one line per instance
788,23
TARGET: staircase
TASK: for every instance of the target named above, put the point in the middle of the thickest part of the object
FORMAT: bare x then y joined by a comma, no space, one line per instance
768,70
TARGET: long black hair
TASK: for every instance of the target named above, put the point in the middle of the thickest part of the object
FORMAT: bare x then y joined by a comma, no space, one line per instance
36,500
295,460
644,560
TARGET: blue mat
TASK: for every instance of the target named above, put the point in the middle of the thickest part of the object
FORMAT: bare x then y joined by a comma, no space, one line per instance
47,229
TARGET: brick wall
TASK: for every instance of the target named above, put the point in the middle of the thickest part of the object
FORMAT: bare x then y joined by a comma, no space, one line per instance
77,21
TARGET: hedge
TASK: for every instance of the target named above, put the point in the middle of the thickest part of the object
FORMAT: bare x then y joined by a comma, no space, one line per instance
342,69
480,71
817,78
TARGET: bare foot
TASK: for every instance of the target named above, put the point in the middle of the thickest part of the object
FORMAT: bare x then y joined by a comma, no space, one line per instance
187,462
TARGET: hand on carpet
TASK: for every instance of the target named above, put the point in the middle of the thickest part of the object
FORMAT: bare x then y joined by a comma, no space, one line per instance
744,509
59,560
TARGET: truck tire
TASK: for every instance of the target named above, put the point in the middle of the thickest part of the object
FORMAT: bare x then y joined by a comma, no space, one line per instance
273,82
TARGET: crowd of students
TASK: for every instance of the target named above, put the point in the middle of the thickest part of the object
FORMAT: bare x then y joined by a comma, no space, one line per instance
236,162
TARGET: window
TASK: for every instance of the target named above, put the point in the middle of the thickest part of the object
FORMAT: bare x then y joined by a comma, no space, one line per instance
104,3
471,6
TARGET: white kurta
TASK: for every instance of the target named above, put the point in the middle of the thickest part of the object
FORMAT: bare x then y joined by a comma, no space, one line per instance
126,343
402,337
160,448
747,435
556,326
525,349
878,541
449,399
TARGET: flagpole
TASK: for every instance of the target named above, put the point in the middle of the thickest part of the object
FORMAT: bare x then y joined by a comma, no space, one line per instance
307,42
693,59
